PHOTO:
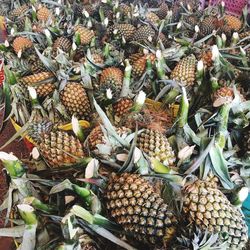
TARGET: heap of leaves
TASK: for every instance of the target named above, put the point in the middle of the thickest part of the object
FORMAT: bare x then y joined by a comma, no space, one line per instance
138,114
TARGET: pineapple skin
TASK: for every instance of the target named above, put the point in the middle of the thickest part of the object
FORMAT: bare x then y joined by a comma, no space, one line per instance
156,145
75,100
86,35
185,71
21,44
132,202
208,208
58,148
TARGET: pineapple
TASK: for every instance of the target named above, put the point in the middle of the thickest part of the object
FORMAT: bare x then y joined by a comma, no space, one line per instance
184,72
207,25
62,43
139,66
18,11
58,148
44,14
85,34
156,145
43,83
96,136
36,65
75,100
112,78
208,209
144,33
206,57
125,9
233,22
163,10
132,202
122,107
20,44
223,96
124,30
153,18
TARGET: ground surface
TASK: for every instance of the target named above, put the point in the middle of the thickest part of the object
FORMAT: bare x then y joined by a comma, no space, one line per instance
19,149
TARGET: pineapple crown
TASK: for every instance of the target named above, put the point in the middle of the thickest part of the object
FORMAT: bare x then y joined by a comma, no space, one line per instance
36,130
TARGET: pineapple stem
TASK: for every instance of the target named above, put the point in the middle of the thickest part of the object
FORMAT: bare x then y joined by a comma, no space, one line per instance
14,168
171,95
27,213
183,109
84,193
126,80
37,204
220,139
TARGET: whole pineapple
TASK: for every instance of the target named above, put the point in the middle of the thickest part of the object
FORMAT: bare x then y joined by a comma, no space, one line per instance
207,25
122,106
233,22
75,100
43,83
156,145
20,44
57,147
139,66
85,34
21,10
209,209
111,78
62,43
163,10
144,33
153,18
44,14
185,71
123,30
132,202
36,65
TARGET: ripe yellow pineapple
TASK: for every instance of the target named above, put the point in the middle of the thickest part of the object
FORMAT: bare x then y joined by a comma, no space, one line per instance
44,14
85,34
233,22
57,147
122,106
156,145
153,18
20,44
75,100
133,203
209,209
206,57
43,83
184,72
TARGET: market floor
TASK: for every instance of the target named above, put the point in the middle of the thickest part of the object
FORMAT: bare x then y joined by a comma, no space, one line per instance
19,149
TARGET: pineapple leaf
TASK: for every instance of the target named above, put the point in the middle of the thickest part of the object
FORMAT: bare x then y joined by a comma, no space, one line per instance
66,184
108,126
14,232
48,63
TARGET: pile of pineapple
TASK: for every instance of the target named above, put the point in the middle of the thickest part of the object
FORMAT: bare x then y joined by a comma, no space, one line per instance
138,114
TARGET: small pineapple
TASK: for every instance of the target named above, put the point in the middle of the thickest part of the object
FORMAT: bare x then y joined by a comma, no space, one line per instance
20,44
184,72
18,11
122,107
208,209
112,78
144,33
125,9
163,10
124,30
153,18
134,204
57,147
75,100
208,25
156,145
96,136
233,22
206,57
44,14
223,95
139,66
85,34
62,43
43,83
